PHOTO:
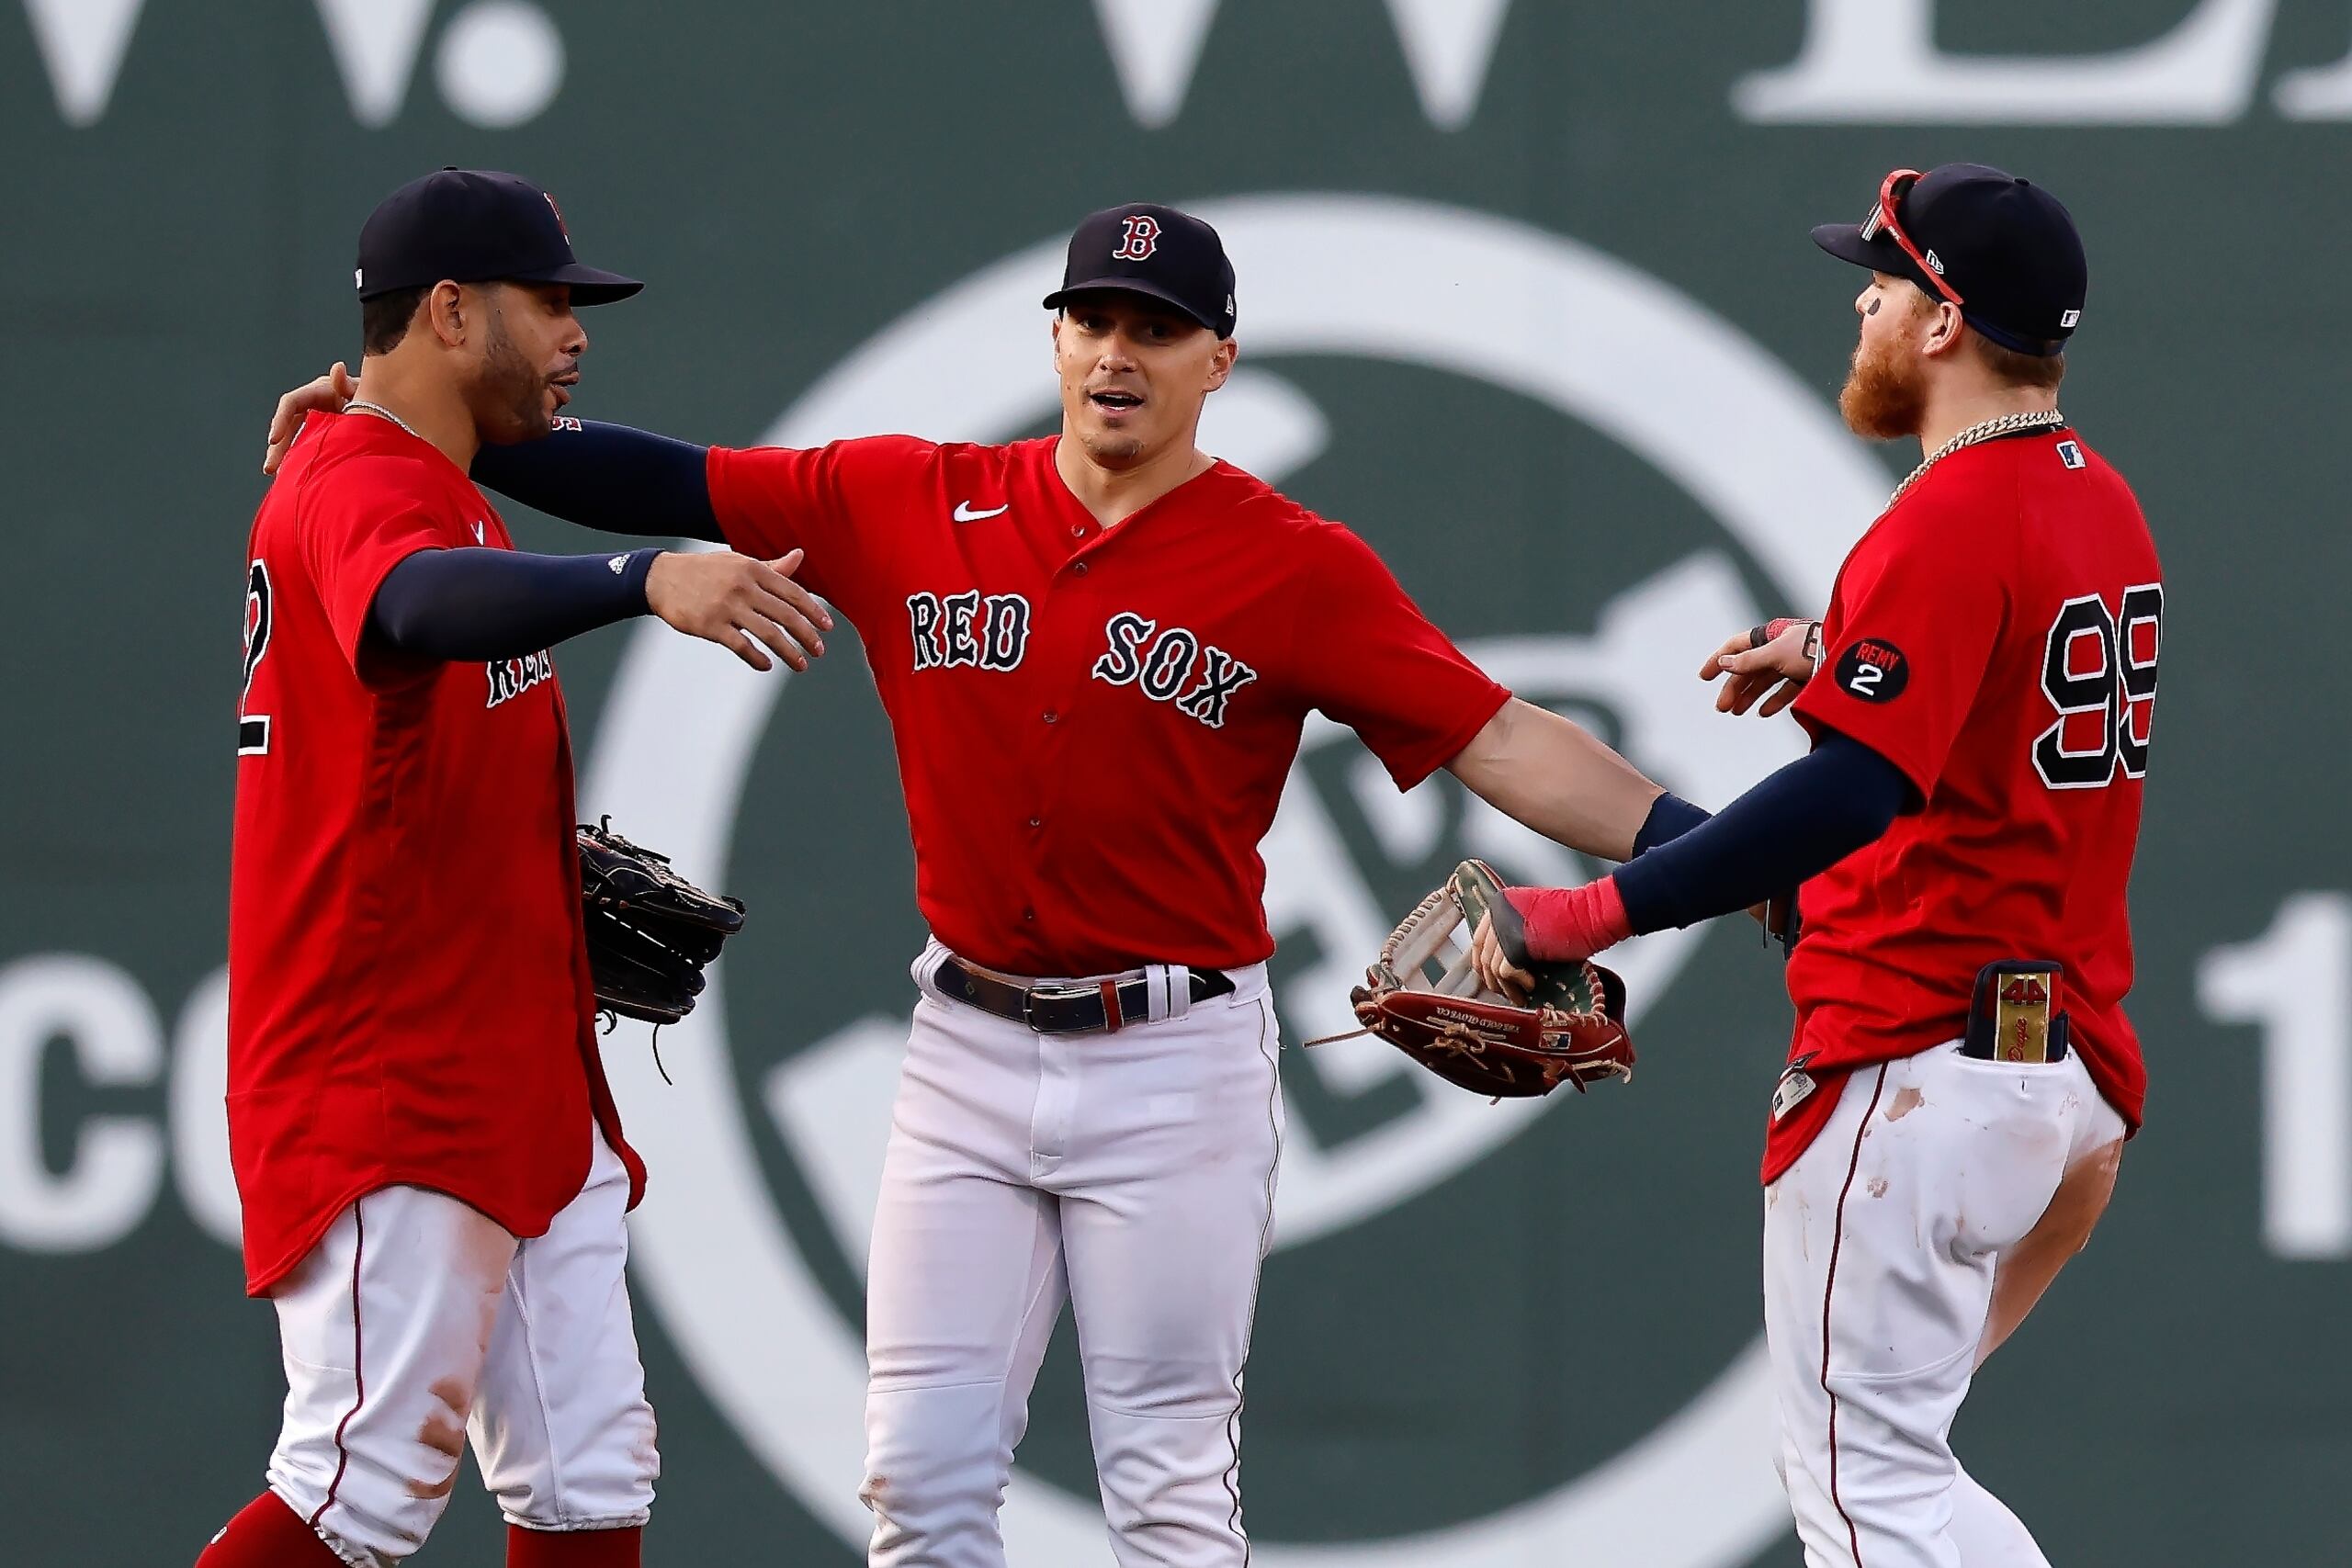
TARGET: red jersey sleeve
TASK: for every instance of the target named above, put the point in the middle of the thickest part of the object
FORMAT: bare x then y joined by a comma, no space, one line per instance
1366,656
769,499
363,518
1919,608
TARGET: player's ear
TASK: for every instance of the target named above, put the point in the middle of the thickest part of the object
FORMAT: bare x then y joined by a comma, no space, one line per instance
1221,363
1942,328
450,308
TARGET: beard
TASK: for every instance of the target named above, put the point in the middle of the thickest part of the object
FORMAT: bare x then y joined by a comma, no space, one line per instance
511,393
1885,395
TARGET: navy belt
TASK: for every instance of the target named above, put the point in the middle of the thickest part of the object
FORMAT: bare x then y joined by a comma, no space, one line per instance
1078,1007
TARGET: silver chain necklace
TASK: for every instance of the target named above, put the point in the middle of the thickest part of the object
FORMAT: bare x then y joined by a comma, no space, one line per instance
359,405
2005,424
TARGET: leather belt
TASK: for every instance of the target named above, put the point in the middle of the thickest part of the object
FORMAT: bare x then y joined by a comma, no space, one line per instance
1075,1006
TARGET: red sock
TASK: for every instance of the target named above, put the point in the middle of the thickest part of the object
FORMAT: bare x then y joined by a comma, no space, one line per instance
268,1534
573,1549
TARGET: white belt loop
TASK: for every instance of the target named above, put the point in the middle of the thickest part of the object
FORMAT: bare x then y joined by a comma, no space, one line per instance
1168,989
925,970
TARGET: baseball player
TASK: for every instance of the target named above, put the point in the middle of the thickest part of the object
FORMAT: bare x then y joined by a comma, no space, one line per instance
432,1171
1963,1074
1096,651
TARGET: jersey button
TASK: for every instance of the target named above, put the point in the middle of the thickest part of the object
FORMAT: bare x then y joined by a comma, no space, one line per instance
1028,914
1079,569
1036,821
1077,530
1051,716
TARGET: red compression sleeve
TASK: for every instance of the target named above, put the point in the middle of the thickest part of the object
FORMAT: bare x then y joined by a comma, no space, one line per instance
1567,923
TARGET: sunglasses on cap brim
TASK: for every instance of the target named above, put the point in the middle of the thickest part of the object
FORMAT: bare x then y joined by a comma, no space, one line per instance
1886,215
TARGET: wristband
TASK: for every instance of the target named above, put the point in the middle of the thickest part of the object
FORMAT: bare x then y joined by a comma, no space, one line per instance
1564,924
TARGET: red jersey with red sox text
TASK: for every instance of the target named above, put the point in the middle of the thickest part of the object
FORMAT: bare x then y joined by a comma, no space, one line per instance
1994,634
1095,725
408,996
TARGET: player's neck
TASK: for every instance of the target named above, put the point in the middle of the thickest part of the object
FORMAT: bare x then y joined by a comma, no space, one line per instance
429,406
1112,495
1952,411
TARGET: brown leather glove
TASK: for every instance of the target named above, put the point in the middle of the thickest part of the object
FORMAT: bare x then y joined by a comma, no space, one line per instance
1422,996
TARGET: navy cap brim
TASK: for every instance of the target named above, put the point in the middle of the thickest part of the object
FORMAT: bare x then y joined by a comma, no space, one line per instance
1879,253
590,285
1060,297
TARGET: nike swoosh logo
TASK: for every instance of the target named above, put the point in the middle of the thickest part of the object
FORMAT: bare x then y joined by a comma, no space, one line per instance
963,513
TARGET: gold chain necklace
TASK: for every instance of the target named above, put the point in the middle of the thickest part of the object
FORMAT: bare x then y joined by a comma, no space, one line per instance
2005,424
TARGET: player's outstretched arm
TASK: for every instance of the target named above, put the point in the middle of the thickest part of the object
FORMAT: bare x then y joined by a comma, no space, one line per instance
465,605
1794,825
607,477
1552,774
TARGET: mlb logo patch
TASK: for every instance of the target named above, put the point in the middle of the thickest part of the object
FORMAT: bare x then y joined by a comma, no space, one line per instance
2071,454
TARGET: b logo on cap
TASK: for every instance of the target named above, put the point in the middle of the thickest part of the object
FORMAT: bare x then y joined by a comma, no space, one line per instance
559,223
1142,239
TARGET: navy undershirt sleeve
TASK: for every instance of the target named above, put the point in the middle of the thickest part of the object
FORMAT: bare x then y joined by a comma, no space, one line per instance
465,605
1796,824
608,476
1671,816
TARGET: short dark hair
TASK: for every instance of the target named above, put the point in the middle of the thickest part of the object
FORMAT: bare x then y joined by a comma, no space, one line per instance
2042,371
383,320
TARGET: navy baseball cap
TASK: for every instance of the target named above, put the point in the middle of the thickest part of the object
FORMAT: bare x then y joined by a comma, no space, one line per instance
475,226
1140,248
2002,248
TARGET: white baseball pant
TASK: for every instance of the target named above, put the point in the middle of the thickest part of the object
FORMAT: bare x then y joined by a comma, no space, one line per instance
1131,1173
418,1322
1880,1245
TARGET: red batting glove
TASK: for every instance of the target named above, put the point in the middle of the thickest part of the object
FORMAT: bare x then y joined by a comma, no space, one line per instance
1564,924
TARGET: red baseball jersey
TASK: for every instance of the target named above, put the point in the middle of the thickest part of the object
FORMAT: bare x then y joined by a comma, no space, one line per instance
408,996
1994,634
1093,726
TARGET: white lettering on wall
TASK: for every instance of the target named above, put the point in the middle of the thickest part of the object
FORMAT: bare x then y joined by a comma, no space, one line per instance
2294,984
1156,47
1876,61
501,61
115,1167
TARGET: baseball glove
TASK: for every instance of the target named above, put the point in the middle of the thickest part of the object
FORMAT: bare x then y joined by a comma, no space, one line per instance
1422,996
650,930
